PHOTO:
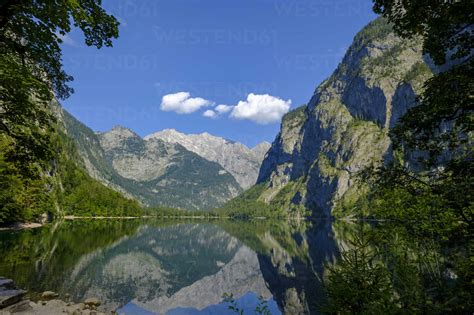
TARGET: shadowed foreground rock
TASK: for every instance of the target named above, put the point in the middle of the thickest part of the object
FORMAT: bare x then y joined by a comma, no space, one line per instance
13,301
9,294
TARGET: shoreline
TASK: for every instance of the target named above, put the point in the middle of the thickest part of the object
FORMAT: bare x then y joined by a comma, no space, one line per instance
17,226
21,226
72,217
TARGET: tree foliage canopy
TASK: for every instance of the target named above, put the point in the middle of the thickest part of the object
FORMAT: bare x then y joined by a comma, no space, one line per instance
446,26
434,137
32,31
31,63
32,153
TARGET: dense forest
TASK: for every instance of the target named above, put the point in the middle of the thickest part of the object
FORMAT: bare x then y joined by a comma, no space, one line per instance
28,192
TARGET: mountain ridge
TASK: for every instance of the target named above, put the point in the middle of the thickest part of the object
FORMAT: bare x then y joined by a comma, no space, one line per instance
320,149
154,172
236,158
166,168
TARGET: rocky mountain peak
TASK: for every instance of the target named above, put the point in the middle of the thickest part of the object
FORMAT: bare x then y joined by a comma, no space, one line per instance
344,128
236,158
165,133
116,137
261,149
121,131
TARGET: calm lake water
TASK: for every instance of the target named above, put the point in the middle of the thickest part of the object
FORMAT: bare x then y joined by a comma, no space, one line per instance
170,267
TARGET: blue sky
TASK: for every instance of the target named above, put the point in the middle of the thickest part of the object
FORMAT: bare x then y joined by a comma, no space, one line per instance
216,52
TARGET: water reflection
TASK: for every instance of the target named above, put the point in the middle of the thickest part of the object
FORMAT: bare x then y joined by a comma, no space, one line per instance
156,267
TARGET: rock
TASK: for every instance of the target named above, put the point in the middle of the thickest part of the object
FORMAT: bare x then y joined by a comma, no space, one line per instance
55,304
12,301
20,307
92,302
9,297
7,283
49,295
44,218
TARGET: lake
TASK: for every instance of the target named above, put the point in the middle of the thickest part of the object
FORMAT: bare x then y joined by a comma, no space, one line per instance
177,267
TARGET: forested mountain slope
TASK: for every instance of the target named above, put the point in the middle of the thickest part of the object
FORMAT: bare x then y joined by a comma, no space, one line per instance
37,187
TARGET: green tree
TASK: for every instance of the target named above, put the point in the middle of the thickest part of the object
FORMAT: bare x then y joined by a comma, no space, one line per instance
446,26
359,283
31,76
31,31
423,262
439,128
31,67
11,186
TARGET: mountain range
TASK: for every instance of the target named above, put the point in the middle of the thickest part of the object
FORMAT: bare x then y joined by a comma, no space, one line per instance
166,168
240,161
314,161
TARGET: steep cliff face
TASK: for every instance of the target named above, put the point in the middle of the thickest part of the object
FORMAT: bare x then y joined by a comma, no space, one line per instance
242,162
344,128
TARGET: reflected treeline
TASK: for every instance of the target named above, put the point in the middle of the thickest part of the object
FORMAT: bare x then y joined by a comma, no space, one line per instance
159,260
386,268
114,260
161,264
305,267
39,259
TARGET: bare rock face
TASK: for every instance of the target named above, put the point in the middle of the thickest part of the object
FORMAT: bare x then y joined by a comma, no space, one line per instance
167,173
240,161
134,158
344,128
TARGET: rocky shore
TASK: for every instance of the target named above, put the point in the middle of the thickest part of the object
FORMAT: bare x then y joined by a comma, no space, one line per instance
16,301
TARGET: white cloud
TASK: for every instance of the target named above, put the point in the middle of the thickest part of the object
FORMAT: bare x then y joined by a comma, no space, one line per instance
222,109
209,113
182,103
262,109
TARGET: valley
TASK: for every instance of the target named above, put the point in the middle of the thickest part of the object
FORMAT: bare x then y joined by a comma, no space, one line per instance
245,158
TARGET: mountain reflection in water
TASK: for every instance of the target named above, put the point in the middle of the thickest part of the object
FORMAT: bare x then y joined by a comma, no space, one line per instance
170,267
